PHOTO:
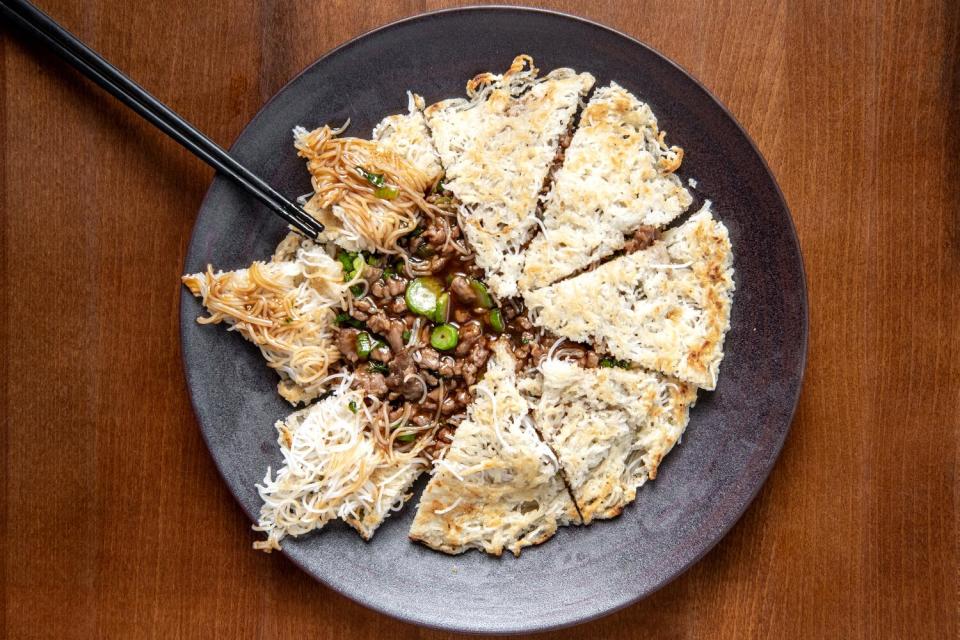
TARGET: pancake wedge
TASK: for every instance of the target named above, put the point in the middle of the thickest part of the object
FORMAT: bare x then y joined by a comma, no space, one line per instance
610,428
666,308
498,486
332,469
388,490
617,176
498,148
285,308
406,134
369,193
400,140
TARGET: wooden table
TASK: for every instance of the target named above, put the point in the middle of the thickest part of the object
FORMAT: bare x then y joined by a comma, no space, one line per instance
115,522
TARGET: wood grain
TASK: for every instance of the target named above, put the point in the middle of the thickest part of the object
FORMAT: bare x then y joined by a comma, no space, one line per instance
114,521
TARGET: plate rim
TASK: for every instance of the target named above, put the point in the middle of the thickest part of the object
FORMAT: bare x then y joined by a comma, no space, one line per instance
777,447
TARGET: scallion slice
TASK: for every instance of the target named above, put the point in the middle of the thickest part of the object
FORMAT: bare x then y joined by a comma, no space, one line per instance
444,337
483,295
422,295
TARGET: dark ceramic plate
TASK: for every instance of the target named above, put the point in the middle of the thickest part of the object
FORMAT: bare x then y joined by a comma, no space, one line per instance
735,433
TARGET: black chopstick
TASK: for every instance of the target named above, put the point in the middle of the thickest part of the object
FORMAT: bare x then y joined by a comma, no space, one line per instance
91,64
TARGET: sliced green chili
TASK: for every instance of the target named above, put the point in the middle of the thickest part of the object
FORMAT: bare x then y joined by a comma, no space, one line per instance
422,294
483,296
496,320
386,193
376,179
365,344
442,314
444,337
382,190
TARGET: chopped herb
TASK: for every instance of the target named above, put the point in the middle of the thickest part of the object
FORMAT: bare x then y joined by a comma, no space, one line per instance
353,406
345,319
357,290
416,232
288,320
378,367
351,263
525,340
346,259
376,179
408,437
609,363
406,336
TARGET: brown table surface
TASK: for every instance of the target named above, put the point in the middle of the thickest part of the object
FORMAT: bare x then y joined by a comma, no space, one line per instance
115,522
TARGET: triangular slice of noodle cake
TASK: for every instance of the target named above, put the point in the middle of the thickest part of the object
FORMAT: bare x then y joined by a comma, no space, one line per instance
610,429
498,486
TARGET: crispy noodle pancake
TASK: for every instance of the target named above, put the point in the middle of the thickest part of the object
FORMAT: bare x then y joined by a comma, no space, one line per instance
333,468
609,427
286,309
498,486
497,147
617,175
666,308
540,369
360,212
